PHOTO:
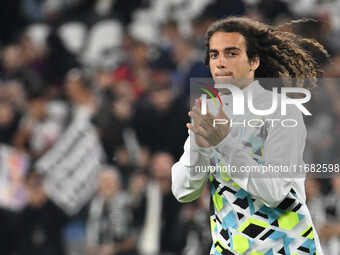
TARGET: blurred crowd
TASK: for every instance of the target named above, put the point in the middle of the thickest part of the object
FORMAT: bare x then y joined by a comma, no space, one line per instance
126,66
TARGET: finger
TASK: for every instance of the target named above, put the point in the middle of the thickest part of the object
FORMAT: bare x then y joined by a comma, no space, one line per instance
193,128
197,122
211,116
204,121
197,111
194,116
198,103
197,127
221,113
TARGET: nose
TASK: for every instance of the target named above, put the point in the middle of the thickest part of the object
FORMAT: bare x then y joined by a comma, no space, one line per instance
221,63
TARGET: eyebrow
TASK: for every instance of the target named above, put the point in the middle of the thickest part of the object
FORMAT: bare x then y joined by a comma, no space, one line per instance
225,49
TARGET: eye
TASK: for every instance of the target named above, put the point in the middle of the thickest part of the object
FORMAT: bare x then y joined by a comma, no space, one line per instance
213,55
232,54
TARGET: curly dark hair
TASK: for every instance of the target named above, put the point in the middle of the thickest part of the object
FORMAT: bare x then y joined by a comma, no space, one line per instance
282,54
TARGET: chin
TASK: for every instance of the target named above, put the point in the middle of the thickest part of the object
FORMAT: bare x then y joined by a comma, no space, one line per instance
224,80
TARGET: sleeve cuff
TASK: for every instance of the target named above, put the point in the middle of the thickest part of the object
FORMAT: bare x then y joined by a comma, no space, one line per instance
227,143
205,152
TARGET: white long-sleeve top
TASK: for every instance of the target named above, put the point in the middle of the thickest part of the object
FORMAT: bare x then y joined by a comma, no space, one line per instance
252,212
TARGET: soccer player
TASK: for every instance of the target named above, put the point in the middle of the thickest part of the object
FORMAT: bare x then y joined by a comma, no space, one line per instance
251,215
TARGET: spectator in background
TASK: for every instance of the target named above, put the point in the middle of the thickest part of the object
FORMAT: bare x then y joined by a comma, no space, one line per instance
109,219
45,10
135,70
112,120
189,65
14,93
40,127
221,9
319,138
196,214
163,230
10,19
58,61
96,9
137,185
336,131
118,136
333,71
9,122
330,231
161,112
40,223
315,201
200,25
7,237
78,91
33,54
13,68
274,10
34,135
164,60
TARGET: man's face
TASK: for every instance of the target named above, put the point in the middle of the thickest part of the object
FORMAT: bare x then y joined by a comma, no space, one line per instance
228,58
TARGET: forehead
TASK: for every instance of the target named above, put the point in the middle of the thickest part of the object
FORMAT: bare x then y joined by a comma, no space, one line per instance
221,40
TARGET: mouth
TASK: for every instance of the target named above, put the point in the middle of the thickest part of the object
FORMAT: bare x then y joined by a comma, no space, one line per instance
223,75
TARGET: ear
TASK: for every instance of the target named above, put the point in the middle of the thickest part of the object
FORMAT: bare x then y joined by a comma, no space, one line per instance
254,63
